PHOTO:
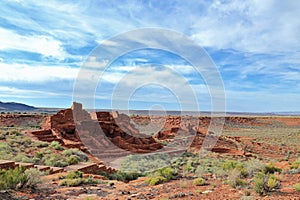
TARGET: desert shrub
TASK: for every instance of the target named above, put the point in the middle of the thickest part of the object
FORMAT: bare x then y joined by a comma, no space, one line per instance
82,156
295,165
39,154
156,180
56,145
41,144
55,160
271,169
229,165
189,167
264,183
297,187
200,170
71,182
6,153
10,179
161,175
247,193
33,177
199,182
253,166
124,176
144,164
167,172
21,157
73,159
74,178
234,179
74,175
4,148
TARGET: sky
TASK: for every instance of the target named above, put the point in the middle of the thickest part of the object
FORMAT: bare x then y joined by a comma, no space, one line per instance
254,45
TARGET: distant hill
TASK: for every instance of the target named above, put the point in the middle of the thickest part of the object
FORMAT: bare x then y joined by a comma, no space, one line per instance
12,106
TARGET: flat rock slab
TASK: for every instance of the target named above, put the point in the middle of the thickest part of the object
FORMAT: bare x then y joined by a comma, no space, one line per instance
79,166
42,168
6,164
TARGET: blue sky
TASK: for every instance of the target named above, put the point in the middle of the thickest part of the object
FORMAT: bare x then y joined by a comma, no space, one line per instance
254,44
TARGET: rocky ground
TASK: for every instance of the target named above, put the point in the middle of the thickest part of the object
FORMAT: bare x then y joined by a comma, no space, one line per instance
267,139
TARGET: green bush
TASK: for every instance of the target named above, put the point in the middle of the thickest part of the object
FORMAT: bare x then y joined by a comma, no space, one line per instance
14,179
161,175
271,169
295,165
41,144
264,183
75,178
168,173
73,159
297,187
229,165
124,176
33,177
74,175
234,178
199,182
253,166
55,145
55,160
156,180
21,157
82,156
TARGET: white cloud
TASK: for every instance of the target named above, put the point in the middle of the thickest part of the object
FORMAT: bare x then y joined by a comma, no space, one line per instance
8,92
45,45
253,26
29,73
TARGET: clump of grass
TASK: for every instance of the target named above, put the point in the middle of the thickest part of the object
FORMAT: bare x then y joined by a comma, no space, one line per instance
33,177
271,169
19,178
199,182
156,180
74,175
73,159
55,160
295,165
124,176
264,183
76,152
161,175
236,166
21,157
297,187
56,145
253,166
75,178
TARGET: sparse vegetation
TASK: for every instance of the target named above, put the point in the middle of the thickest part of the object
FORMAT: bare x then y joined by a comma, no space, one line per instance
124,176
161,175
297,187
19,178
264,183
295,165
199,182
234,179
271,169
75,178
18,147
55,145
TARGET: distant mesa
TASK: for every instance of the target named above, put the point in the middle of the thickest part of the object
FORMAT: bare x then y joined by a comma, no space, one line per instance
12,106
